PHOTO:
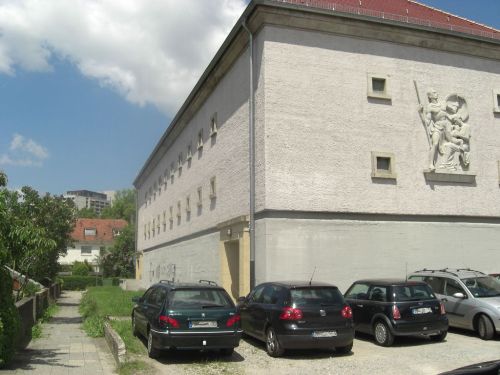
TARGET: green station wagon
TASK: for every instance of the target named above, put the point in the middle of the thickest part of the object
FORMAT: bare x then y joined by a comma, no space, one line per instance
186,316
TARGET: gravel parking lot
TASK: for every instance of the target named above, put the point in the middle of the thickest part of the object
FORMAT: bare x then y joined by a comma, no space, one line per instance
407,356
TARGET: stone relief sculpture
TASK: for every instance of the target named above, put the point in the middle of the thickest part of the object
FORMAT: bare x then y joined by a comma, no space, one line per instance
448,132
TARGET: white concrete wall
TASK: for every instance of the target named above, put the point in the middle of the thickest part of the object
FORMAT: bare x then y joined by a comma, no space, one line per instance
75,254
320,128
225,157
194,259
347,250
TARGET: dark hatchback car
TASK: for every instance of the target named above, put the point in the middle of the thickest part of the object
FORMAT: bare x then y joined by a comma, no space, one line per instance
186,316
297,315
388,308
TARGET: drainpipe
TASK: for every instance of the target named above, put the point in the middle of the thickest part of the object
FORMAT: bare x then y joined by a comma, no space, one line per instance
251,147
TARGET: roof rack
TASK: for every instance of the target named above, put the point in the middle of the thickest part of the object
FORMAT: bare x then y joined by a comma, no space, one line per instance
450,271
166,281
209,282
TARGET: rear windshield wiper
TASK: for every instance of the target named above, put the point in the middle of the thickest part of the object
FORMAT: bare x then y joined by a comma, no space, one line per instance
329,304
210,306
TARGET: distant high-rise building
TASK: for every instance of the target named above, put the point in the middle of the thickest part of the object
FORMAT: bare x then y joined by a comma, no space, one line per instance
89,199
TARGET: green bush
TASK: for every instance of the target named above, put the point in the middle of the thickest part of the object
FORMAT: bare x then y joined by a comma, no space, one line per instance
81,268
80,282
9,320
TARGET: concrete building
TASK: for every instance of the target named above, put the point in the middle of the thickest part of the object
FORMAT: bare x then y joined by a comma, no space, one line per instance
377,149
90,199
90,238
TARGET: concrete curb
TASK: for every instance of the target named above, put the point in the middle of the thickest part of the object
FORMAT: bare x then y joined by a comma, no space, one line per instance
115,344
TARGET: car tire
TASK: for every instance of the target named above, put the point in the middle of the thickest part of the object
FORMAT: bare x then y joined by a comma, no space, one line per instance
344,349
152,351
485,328
382,333
134,327
439,337
273,346
227,352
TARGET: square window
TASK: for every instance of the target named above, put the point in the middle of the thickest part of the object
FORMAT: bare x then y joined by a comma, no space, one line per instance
378,87
496,101
200,139
213,125
212,188
200,197
383,165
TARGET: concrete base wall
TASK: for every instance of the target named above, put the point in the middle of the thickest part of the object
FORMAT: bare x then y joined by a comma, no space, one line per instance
346,250
186,261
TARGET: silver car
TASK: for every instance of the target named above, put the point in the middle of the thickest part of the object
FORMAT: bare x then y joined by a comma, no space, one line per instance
471,298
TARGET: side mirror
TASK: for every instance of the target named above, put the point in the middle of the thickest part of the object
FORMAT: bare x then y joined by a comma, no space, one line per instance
137,299
459,295
241,299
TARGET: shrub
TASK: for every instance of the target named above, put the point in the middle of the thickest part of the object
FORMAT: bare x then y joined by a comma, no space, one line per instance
9,320
80,282
81,268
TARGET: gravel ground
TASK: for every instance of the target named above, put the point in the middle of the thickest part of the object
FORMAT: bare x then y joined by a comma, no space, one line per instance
408,356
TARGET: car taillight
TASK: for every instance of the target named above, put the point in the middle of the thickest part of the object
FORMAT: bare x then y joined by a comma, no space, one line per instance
233,320
167,321
346,312
442,309
290,313
395,313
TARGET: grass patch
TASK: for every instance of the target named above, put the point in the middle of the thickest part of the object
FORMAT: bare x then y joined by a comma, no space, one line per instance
135,368
99,302
132,343
37,330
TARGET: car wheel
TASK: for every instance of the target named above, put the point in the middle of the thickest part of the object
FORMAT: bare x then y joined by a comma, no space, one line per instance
152,351
343,349
273,346
134,326
383,335
439,337
485,328
227,351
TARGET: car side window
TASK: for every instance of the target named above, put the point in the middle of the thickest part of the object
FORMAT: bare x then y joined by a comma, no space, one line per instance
378,293
146,295
160,297
151,298
257,294
269,295
453,287
358,291
436,284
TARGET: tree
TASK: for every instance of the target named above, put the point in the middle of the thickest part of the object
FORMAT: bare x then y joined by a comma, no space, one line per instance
119,261
123,206
86,213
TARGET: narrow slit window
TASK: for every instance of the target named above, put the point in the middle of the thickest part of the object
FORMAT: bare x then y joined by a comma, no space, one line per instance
212,188
200,139
179,209
213,125
189,155
188,204
164,221
498,100
179,161
171,218
200,197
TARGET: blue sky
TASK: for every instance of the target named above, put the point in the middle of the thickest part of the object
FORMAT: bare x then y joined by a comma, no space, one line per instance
82,104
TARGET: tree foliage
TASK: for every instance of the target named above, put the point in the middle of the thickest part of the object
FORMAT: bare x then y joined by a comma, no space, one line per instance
119,261
9,319
123,206
86,213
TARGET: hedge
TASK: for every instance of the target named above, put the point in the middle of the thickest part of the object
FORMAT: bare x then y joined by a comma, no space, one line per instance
9,320
82,282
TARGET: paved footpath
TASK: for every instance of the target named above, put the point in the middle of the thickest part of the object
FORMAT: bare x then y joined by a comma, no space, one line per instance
64,348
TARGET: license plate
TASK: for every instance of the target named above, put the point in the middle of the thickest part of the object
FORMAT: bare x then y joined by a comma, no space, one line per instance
324,333
203,324
422,310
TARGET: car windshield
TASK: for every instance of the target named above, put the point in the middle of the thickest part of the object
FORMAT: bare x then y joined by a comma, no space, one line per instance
324,296
412,293
199,299
484,286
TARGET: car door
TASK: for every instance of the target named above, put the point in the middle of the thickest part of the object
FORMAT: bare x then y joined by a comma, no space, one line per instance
357,297
140,312
248,310
152,306
456,307
376,304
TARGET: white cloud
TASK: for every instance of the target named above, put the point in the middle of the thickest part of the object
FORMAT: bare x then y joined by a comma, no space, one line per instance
148,51
24,152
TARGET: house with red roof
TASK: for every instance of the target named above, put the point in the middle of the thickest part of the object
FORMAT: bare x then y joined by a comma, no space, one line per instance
340,138
91,237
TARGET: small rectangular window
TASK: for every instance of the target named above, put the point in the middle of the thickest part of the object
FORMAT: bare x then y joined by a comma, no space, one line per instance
154,225
179,161
200,139
164,221
496,101
188,204
171,211
200,197
212,188
189,155
383,165
179,209
378,86
213,125
86,250
90,232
